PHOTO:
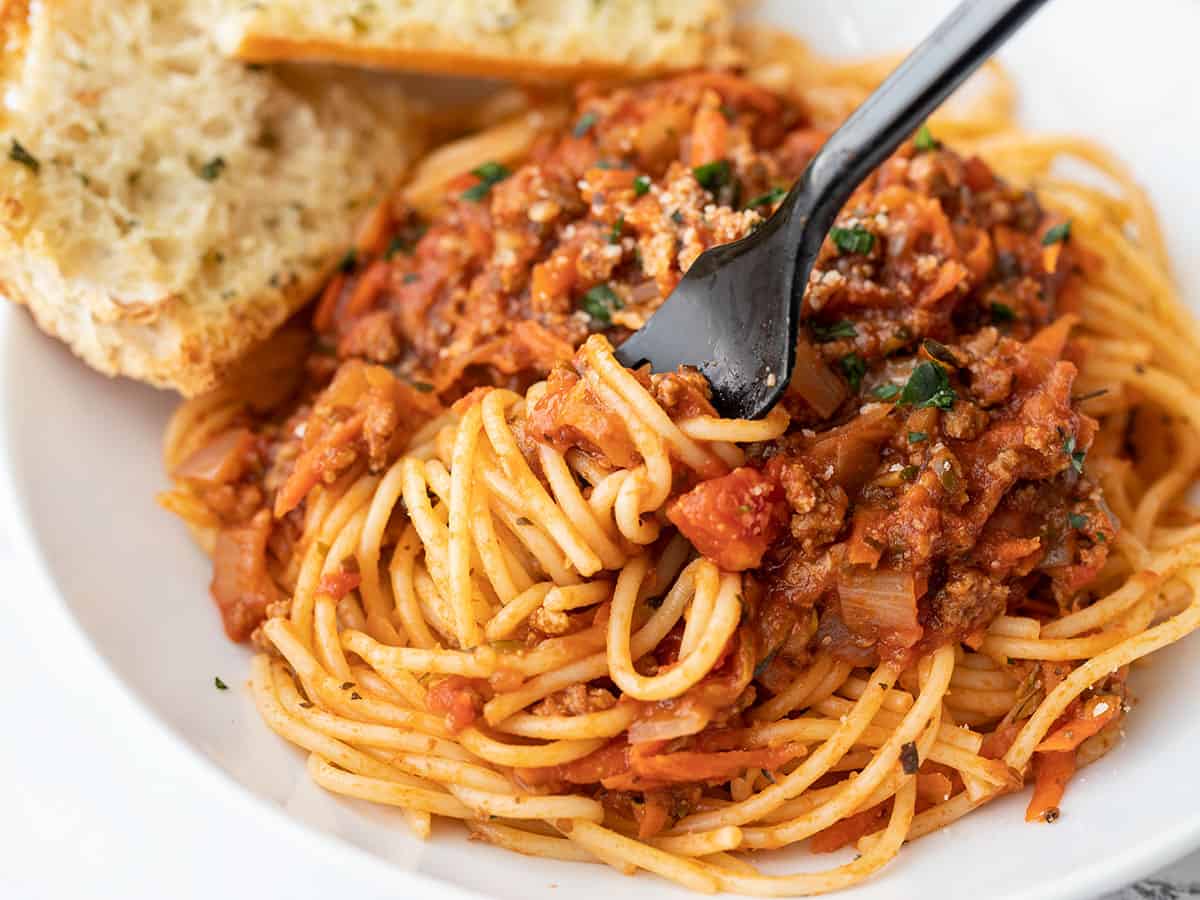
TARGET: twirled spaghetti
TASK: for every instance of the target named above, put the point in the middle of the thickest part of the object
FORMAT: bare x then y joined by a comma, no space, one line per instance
497,577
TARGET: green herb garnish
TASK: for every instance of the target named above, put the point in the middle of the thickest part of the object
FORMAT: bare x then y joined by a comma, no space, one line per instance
852,240
641,185
714,175
19,154
1077,456
917,437
614,233
770,198
1077,521
927,386
925,141
212,169
854,368
422,387
766,661
220,685
584,125
600,301
1002,312
1060,232
489,174
843,328
886,391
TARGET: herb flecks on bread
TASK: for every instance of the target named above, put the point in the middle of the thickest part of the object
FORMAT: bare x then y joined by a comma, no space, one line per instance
163,208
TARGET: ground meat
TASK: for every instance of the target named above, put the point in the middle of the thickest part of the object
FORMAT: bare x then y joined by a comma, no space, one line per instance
818,508
576,700
967,601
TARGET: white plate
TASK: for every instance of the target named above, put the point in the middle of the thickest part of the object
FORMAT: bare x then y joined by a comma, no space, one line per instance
82,454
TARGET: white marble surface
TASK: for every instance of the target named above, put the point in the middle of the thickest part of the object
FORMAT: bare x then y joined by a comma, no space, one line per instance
92,805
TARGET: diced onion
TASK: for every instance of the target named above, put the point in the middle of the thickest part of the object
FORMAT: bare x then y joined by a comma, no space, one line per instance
815,382
880,602
218,462
690,719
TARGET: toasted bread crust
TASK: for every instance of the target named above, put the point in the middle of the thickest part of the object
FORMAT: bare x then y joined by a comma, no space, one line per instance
281,48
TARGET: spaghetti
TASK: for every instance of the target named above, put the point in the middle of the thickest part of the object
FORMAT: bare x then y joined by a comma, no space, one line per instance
497,577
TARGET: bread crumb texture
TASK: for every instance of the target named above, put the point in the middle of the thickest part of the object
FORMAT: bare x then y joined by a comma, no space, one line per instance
162,207
508,38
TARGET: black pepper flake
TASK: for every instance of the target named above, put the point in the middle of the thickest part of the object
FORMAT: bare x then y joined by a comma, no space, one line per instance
910,760
355,695
19,154
1051,815
523,522
346,685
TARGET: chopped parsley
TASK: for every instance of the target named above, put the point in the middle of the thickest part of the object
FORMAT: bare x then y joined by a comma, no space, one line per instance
600,301
887,391
212,169
641,185
397,245
917,437
614,234
677,217
584,125
766,661
19,154
770,198
925,141
1077,456
910,759
928,386
852,240
349,261
1060,233
1077,521
910,473
854,368
843,328
939,351
422,387
714,175
410,277
1001,312
489,174
220,685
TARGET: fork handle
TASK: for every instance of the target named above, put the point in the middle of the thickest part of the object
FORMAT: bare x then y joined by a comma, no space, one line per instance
942,62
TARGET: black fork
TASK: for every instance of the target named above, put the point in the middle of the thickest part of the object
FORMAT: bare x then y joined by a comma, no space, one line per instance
736,313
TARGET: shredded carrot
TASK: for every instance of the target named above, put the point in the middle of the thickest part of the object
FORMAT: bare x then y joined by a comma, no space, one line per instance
846,831
327,306
1094,715
1053,771
1050,257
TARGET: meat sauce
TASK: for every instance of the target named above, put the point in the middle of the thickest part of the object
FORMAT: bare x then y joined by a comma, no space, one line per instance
934,475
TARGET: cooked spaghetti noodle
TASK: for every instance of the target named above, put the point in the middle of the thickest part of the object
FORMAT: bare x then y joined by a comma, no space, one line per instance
497,577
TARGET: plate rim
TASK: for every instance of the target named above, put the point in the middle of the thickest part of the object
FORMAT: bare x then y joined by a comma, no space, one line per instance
206,772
